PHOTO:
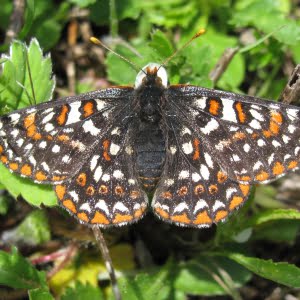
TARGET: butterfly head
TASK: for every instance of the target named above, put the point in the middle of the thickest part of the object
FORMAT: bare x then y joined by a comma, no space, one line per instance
152,74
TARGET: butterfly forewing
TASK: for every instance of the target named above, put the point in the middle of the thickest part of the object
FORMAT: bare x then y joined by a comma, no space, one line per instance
253,140
50,142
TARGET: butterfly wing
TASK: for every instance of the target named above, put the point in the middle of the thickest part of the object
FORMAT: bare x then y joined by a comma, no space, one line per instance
242,139
104,193
82,146
50,142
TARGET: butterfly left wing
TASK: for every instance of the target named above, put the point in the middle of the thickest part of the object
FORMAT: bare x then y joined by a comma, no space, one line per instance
106,190
50,142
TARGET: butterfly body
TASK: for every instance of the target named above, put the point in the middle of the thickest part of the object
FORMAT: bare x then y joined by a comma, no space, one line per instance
197,150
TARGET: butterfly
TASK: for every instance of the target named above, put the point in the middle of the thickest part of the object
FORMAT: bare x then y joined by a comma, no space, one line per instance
197,151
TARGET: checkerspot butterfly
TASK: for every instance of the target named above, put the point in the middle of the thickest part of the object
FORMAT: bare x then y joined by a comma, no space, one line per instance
196,150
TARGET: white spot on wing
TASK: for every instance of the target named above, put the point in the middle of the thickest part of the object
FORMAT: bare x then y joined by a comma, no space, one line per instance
114,149
184,174
292,113
43,144
20,142
210,126
45,166
55,149
246,148
101,204
204,172
74,114
47,118
169,182
49,127
200,205
228,111
200,103
261,143
218,204
173,149
196,177
257,165
74,195
271,158
255,124
229,192
185,130
105,177
256,115
85,206
100,104
120,206
15,132
286,138
187,147
276,144
94,162
208,160
180,207
118,174
66,158
98,173
88,126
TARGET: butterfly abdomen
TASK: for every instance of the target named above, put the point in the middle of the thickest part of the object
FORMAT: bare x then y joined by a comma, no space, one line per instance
150,152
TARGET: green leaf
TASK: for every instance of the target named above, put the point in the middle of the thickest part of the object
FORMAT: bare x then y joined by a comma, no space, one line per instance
196,276
4,202
151,285
273,17
281,272
161,44
40,294
273,214
99,12
31,192
83,3
15,82
16,272
82,291
29,18
34,230
5,13
278,231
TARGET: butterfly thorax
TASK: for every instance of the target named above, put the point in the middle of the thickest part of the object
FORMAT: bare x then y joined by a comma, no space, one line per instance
149,142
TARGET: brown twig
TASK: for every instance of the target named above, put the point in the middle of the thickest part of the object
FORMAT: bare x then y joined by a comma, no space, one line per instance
16,20
291,92
222,64
107,260
70,67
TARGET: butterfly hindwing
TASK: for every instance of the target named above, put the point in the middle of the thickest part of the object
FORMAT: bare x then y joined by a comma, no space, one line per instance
104,193
194,194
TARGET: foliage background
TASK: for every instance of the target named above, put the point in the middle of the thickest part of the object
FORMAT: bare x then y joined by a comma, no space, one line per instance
254,255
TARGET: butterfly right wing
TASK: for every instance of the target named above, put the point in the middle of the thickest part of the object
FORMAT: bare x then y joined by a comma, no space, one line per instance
49,142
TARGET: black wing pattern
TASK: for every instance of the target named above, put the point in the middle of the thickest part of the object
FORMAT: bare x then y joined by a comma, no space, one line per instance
219,144
74,144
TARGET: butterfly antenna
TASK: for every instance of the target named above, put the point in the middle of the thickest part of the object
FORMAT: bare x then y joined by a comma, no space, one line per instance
99,43
199,33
